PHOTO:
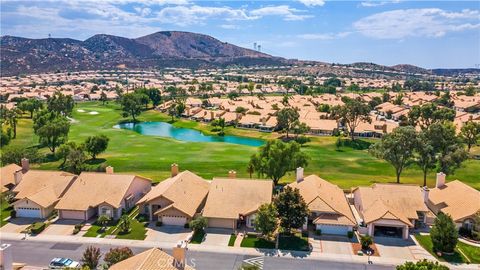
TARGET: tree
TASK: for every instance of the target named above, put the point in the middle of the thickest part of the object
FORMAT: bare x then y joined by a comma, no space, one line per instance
470,91
103,97
52,128
12,116
276,158
91,256
476,227
124,224
131,105
421,265
250,169
116,255
292,209
352,113
425,155
179,107
396,148
60,103
75,162
366,241
428,114
470,134
447,145
154,95
4,138
266,219
64,150
300,128
95,145
198,224
286,119
14,154
30,105
444,234
103,221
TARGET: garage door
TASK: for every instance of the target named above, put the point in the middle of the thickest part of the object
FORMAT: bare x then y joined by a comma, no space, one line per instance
70,214
178,221
332,229
29,212
221,223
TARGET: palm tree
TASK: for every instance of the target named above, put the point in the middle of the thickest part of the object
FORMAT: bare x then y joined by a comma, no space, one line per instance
124,224
250,169
221,123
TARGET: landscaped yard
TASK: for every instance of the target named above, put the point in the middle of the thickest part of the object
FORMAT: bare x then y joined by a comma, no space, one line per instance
252,241
96,229
137,231
5,210
472,252
197,237
232,239
347,167
295,242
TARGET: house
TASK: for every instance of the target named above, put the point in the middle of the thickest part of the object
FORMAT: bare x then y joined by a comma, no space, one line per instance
454,198
102,194
11,174
39,191
327,204
232,202
176,200
390,209
155,258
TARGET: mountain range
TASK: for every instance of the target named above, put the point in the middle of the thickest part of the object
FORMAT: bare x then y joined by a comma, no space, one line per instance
158,50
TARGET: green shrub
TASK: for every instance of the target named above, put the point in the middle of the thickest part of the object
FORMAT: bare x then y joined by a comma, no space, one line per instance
318,232
13,214
186,226
142,218
37,227
76,230
158,224
350,234
366,241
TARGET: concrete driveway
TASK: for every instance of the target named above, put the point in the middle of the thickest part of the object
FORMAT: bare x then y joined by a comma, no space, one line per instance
336,244
395,247
217,237
17,225
61,227
172,234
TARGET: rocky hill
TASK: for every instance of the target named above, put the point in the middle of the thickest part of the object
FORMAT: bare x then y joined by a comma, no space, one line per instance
162,49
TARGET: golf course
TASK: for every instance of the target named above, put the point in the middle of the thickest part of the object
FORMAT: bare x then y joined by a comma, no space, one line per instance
151,156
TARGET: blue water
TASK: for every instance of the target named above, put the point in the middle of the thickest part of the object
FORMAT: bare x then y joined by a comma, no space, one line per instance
185,134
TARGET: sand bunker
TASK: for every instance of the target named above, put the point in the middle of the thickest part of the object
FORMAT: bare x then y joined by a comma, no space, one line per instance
93,113
80,110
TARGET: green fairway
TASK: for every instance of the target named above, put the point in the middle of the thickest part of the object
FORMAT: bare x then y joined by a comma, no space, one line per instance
152,156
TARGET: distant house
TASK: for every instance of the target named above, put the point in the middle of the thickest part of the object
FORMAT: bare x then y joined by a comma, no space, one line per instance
456,199
39,191
232,203
390,209
327,204
176,200
102,194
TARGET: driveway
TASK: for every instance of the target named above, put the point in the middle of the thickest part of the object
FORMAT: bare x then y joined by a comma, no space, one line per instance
335,244
17,225
217,237
395,247
172,234
61,227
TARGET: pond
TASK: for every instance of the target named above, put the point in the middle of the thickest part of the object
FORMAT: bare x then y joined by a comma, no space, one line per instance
164,129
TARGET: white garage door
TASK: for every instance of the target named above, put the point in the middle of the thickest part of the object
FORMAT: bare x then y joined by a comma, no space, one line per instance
332,229
178,221
29,212
70,214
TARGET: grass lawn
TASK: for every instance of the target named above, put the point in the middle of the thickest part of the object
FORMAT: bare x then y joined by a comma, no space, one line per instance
346,167
252,241
96,230
295,242
473,253
5,210
231,242
197,237
137,231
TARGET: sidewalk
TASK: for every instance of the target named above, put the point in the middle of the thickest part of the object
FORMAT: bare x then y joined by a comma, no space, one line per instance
219,249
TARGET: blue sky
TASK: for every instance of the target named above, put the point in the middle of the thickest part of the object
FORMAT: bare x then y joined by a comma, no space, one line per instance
430,34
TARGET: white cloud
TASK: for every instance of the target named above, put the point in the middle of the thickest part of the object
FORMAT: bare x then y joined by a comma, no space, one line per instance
324,36
288,13
376,3
187,15
310,3
428,22
229,26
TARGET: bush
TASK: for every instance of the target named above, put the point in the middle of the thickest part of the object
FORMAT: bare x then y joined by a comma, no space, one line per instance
159,224
444,234
318,232
116,255
350,234
423,265
366,241
465,232
76,230
198,224
142,218
302,139
37,227
13,214
186,226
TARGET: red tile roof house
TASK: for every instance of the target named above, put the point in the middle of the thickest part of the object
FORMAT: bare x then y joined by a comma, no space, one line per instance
102,194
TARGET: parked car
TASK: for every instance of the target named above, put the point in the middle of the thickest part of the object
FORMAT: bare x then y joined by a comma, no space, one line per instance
60,263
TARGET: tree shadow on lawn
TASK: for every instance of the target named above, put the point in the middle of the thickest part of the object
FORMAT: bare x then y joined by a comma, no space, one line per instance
95,161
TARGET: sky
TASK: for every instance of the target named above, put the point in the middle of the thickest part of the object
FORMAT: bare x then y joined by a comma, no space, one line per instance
430,34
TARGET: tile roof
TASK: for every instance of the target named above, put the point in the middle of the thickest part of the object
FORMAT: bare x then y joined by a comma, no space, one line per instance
7,174
151,259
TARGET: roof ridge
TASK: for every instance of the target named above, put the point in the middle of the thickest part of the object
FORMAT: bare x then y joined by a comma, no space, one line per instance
150,251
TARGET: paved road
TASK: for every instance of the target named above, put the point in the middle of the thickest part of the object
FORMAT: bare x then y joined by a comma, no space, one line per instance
40,253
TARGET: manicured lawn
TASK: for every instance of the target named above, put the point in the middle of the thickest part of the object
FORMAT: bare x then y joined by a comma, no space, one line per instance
137,231
198,237
154,155
294,242
231,242
473,253
5,210
96,229
252,241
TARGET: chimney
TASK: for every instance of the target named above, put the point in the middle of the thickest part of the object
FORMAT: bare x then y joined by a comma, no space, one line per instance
174,169
6,258
299,174
212,115
440,180
18,177
384,128
425,192
109,170
179,254
264,121
232,174
25,164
